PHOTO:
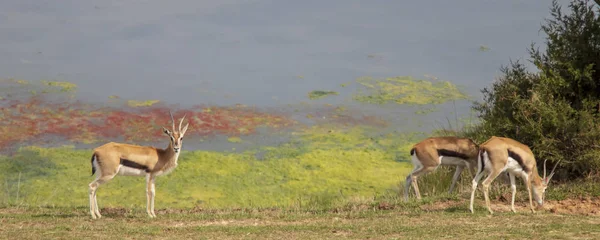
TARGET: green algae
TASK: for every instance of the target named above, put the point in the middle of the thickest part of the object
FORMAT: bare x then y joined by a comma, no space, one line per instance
406,90
426,110
23,82
62,86
318,94
136,103
320,165
234,139
15,87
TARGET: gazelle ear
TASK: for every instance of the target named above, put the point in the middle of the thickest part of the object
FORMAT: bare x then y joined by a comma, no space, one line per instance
166,131
185,129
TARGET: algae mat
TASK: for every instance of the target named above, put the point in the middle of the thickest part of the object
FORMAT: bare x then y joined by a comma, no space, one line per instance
318,167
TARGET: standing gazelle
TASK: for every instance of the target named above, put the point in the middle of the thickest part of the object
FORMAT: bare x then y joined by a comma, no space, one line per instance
500,154
113,159
432,152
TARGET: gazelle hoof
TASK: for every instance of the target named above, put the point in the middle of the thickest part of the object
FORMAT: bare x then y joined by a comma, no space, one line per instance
96,215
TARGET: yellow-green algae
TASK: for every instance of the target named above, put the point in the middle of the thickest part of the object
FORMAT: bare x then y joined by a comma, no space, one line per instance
63,86
317,94
136,103
37,87
406,90
320,164
234,139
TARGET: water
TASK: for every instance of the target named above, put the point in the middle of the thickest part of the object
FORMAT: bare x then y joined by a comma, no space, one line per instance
265,53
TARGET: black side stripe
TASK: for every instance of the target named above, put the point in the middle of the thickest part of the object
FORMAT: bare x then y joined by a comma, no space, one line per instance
518,158
93,168
449,153
412,151
132,164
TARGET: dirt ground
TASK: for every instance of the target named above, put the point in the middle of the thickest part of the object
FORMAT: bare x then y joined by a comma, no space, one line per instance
582,206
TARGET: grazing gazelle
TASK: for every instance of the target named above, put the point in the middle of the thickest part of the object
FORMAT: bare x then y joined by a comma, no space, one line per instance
432,152
113,159
499,154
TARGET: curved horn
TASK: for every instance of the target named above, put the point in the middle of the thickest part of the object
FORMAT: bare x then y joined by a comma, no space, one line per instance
172,120
181,121
552,172
545,160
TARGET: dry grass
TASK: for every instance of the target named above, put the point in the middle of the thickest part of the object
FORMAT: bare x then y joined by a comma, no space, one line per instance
446,219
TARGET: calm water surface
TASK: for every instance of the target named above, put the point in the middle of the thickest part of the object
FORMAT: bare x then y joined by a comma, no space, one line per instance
260,52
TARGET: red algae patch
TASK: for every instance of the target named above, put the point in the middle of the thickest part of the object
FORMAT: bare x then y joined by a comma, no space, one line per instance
48,112
27,116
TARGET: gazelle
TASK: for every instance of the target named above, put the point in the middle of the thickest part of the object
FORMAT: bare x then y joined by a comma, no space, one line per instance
432,152
113,159
499,154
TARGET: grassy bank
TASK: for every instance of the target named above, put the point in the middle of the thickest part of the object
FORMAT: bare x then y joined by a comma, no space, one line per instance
317,167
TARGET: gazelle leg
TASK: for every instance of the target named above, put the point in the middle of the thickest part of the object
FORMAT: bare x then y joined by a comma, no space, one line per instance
94,210
92,192
150,195
470,169
528,186
457,173
416,174
474,188
153,197
513,189
486,188
408,181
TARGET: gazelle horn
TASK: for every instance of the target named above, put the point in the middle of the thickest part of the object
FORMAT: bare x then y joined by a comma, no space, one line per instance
181,121
552,172
545,160
172,120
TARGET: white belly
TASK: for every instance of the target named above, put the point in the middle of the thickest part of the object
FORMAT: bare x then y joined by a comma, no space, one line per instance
452,161
512,166
128,171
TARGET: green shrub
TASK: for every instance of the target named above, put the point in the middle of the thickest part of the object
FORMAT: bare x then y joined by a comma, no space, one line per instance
556,110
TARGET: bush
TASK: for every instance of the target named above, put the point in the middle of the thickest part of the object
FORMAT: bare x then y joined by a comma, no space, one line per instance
557,109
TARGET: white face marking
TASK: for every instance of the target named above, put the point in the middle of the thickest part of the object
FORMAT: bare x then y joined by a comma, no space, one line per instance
128,171
537,195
